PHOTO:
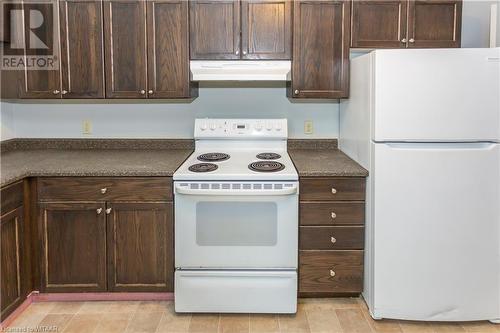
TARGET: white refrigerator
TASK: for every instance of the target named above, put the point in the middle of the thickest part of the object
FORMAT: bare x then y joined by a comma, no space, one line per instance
426,124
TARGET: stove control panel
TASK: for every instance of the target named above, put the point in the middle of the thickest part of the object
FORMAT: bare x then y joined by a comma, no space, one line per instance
241,128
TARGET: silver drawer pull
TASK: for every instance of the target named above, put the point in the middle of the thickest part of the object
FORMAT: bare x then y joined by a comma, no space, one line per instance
333,240
104,190
332,273
108,211
334,216
99,210
334,191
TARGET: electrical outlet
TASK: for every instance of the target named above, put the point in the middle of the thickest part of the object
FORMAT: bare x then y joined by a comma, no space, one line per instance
87,127
308,127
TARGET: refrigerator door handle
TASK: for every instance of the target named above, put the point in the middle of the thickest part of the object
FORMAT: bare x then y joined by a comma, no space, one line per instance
442,145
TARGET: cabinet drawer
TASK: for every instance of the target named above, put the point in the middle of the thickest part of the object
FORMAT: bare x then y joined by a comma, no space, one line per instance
331,238
11,197
102,188
332,213
330,271
333,189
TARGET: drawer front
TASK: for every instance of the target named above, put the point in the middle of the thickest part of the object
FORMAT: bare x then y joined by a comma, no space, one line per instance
11,197
103,189
330,271
332,189
332,213
332,238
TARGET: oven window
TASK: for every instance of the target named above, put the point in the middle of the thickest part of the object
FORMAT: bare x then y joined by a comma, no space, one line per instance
236,223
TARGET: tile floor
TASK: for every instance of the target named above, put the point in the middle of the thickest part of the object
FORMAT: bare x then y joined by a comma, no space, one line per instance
342,315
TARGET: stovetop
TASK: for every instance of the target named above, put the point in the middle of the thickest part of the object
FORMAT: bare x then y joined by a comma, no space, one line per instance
239,166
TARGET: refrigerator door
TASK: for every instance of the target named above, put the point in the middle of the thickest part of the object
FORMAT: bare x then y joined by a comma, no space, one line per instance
436,217
436,95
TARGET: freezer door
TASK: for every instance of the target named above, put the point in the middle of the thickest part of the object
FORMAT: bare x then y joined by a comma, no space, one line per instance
436,95
436,219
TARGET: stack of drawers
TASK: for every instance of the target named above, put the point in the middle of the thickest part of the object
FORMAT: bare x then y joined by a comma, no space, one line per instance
331,236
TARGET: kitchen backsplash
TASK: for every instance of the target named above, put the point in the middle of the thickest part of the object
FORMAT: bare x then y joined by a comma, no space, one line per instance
163,119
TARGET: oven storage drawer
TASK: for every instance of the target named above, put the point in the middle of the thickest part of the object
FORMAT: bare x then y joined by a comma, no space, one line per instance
337,189
236,291
331,272
105,189
332,213
332,238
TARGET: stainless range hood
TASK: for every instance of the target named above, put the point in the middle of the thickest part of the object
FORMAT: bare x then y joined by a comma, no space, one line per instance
240,70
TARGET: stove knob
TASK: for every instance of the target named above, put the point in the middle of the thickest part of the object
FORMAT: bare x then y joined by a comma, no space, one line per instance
277,126
258,127
203,126
213,126
269,126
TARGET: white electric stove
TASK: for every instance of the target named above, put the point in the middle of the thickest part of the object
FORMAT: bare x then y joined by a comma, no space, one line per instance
236,220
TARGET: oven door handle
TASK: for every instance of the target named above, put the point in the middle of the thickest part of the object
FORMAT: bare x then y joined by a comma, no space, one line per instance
188,191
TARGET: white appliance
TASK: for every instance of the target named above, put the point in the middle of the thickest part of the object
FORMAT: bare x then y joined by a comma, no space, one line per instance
426,124
236,220
238,70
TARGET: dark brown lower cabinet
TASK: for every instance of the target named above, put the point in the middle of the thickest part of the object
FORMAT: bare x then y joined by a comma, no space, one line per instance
13,291
73,237
140,247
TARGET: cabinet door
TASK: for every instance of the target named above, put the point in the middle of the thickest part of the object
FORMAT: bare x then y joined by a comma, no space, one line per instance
434,23
11,243
73,237
214,29
125,48
41,83
379,24
168,49
82,49
266,29
140,247
320,66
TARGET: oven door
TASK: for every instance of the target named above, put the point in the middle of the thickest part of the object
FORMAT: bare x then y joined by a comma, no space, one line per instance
236,226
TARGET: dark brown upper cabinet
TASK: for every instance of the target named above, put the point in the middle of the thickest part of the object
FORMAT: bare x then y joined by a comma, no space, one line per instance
406,23
434,23
214,29
266,31
379,24
247,29
168,49
82,56
125,48
41,83
320,66
146,44
79,48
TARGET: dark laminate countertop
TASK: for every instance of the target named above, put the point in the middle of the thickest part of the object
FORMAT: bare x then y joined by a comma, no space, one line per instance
322,158
34,157
74,160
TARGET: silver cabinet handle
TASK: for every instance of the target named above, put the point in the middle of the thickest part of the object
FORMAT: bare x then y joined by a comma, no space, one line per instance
332,273
104,190
143,92
150,92
334,191
412,40
333,215
296,92
64,92
333,240
99,210
403,40
55,92
244,52
108,211
237,52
